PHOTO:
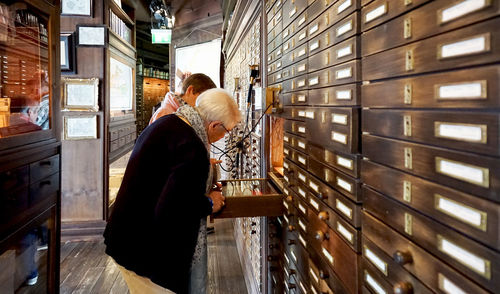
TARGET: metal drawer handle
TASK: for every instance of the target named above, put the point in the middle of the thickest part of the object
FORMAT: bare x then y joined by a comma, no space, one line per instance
320,236
323,275
402,258
323,215
43,183
403,288
45,162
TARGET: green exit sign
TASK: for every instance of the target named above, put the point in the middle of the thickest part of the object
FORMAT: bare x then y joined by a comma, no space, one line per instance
161,36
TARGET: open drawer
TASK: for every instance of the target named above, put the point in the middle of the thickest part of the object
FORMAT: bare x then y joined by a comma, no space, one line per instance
250,197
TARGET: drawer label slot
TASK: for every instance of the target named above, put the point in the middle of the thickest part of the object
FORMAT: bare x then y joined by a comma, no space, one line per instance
346,4
328,256
302,20
460,211
343,208
301,68
374,284
313,29
466,90
302,193
338,137
461,132
343,94
344,28
302,130
447,286
302,177
313,81
313,274
314,46
314,186
347,163
460,9
302,36
343,73
339,119
302,225
344,184
285,165
301,98
462,171
473,45
285,138
314,204
302,208
344,232
377,261
302,240
376,13
301,160
345,51
301,144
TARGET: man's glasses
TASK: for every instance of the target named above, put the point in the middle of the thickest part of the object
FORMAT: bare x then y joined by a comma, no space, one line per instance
225,128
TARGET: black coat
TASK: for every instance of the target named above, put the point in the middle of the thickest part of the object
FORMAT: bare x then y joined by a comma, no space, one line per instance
154,224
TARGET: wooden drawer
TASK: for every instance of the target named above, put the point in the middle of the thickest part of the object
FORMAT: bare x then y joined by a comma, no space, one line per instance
295,84
335,128
295,98
342,52
322,277
435,274
347,163
469,131
348,186
292,9
295,127
380,11
472,45
425,22
329,17
469,173
300,256
345,73
13,179
342,259
470,88
383,268
44,168
44,188
344,95
466,213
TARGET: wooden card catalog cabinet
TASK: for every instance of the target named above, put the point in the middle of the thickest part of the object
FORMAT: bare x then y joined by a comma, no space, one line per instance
248,198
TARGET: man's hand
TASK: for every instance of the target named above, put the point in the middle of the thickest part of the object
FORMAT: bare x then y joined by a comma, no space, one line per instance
218,200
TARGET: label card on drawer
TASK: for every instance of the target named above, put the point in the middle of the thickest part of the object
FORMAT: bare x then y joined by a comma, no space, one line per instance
470,260
462,171
302,240
302,225
343,94
286,179
285,165
344,28
302,177
460,211
344,232
461,132
344,184
314,186
314,204
302,130
302,20
313,29
376,12
338,137
313,274
301,144
343,73
375,260
345,51
314,46
302,287
347,163
466,90
302,193
302,208
301,83
285,151
285,138
293,11
473,45
339,119
374,284
302,36
447,286
313,81
301,68
346,4
301,160
462,8
328,256
343,208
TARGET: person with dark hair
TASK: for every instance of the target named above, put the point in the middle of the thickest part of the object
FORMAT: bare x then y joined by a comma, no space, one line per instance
192,87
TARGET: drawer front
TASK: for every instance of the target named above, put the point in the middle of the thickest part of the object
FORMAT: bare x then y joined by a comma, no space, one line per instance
469,131
13,179
472,174
322,277
273,67
331,16
473,45
342,30
383,267
12,204
295,98
295,84
44,168
292,9
468,214
345,73
334,250
300,143
435,274
44,188
342,52
348,186
431,19
344,95
380,11
347,163
275,42
470,88
295,127
301,159
335,128
275,77
298,54
291,112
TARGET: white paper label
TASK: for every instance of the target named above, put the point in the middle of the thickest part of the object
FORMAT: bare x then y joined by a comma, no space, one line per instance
301,68
302,287
344,28
463,256
285,165
301,145
285,204
278,65
285,151
314,186
301,98
373,284
301,160
313,274
286,191
461,91
461,9
302,193
286,219
343,95
339,119
465,172
302,130
293,256
344,232
286,272
302,240
302,20
472,133
302,36
281,224
286,258
338,137
469,46
344,6
313,29
314,46
379,263
294,10
285,33
285,138
313,81
278,76
278,53
302,52
460,211
302,113
302,225
302,208
327,255
343,208
343,73
287,45
286,179
344,162
449,287
301,83
314,203
347,50
302,177
313,290
375,13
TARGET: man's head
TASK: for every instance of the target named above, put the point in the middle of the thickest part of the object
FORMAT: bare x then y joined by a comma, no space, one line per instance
194,85
219,111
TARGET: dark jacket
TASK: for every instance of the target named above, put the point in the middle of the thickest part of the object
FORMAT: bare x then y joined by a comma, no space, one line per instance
156,216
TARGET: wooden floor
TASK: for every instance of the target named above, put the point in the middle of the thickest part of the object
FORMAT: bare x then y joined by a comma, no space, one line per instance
85,268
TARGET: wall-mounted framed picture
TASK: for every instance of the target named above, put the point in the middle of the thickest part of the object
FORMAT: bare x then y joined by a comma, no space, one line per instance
80,127
68,54
80,94
76,7
121,86
91,35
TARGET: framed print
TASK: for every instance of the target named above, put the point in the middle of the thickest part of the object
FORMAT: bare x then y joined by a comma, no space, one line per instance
91,35
121,86
80,127
80,94
68,62
76,7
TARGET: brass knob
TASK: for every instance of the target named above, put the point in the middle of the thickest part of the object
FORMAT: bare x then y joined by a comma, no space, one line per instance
322,196
320,236
323,215
291,228
402,258
289,199
403,288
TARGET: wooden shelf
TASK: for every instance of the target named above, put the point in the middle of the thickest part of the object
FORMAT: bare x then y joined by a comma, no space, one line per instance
120,13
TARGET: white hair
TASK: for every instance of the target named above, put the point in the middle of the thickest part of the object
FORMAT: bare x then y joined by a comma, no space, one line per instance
218,105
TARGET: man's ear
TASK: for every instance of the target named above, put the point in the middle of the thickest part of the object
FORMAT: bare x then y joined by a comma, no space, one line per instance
190,90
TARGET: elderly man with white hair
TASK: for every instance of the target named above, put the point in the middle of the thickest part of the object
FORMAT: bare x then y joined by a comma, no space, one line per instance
156,232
